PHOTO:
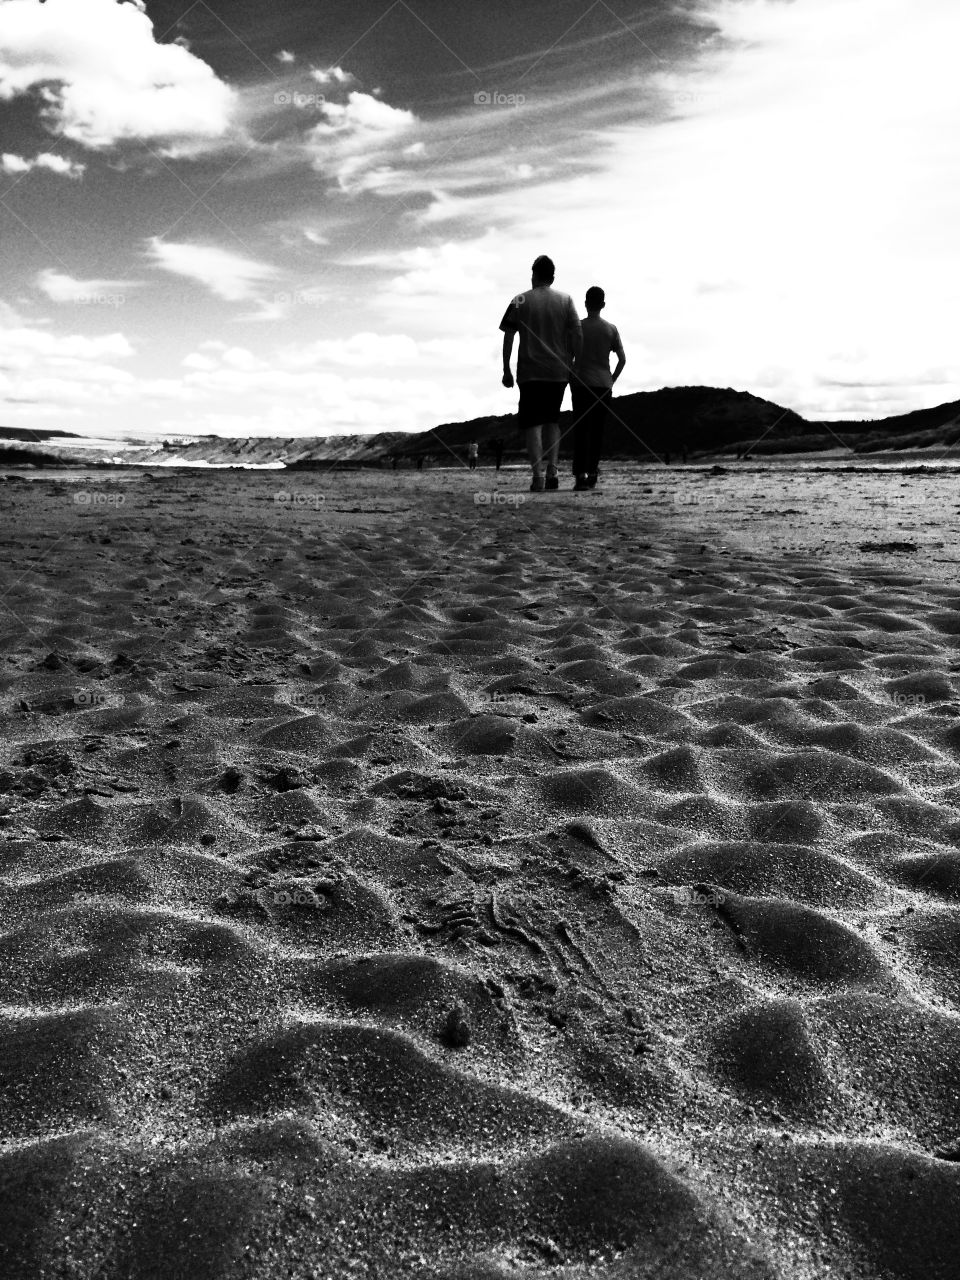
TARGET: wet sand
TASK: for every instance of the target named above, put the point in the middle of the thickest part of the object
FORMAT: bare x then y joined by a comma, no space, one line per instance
404,874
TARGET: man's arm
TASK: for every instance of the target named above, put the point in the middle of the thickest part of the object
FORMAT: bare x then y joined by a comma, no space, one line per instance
508,337
574,335
621,358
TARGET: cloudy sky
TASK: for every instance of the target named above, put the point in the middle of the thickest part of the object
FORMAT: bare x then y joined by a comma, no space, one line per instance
301,217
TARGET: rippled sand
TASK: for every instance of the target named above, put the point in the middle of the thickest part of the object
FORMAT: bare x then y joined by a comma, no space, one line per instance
404,874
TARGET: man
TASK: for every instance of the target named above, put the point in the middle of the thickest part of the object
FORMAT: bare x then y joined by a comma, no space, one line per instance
473,453
549,330
592,389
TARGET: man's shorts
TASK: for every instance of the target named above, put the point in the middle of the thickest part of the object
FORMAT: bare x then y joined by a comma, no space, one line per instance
540,403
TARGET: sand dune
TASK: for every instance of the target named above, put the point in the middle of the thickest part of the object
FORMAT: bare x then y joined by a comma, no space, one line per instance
398,884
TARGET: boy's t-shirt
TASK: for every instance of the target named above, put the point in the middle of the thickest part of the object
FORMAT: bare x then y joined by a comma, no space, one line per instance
549,330
600,337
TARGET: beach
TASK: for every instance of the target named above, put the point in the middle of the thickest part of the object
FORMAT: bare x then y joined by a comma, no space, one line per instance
406,874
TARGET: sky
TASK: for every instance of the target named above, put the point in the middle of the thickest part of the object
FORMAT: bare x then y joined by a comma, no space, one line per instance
308,216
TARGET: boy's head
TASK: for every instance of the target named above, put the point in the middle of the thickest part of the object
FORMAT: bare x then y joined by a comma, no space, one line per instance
543,270
595,299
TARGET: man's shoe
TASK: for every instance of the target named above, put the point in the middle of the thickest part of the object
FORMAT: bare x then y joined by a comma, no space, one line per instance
553,482
536,485
591,481
581,484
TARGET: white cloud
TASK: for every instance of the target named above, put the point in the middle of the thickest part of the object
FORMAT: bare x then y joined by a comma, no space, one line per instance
46,376
362,114
103,77
794,190
60,165
227,275
451,269
284,55
356,140
63,288
332,75
361,351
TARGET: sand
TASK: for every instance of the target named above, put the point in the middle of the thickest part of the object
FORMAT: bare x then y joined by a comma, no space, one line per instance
397,882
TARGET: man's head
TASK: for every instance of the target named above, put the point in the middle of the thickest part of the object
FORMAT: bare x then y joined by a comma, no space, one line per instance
595,299
543,270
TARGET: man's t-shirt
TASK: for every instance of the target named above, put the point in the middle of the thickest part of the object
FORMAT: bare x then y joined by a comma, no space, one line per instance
599,339
549,330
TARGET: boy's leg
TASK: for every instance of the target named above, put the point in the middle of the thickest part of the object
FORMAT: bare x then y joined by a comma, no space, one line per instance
599,416
579,432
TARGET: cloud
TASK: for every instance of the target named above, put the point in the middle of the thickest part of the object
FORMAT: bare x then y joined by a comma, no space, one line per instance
50,376
63,288
284,55
362,114
103,78
227,275
60,165
450,269
332,75
361,351
356,139
749,209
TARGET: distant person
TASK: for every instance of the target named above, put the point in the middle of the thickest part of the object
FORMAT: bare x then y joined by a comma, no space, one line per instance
473,452
592,389
496,447
420,462
550,338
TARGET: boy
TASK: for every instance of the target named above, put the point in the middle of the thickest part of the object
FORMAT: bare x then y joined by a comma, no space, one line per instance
592,389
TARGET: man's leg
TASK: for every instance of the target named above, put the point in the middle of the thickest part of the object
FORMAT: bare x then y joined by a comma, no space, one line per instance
535,449
551,448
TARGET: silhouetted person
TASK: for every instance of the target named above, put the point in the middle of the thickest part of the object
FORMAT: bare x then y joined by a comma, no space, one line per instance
592,389
420,462
496,446
473,452
550,338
